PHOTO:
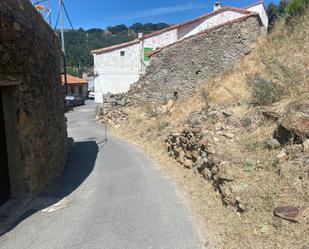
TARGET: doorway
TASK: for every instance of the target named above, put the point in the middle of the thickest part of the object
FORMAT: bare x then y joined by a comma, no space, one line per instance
5,191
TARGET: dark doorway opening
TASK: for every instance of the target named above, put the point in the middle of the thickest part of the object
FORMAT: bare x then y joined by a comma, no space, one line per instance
4,167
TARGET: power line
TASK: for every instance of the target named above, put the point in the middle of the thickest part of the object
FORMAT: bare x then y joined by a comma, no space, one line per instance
38,2
66,12
67,15
58,17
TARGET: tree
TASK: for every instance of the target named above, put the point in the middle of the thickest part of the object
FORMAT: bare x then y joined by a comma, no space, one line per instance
296,7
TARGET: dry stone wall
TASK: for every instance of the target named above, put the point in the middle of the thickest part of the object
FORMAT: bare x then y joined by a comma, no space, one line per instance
30,71
183,67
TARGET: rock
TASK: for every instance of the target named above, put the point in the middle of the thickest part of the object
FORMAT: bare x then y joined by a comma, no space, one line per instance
182,156
211,150
240,204
227,113
207,174
227,194
170,104
297,123
188,164
227,135
283,155
306,146
272,143
271,113
202,163
225,172
283,135
290,213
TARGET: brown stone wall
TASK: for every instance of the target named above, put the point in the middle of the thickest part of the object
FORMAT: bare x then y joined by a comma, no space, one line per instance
30,64
184,66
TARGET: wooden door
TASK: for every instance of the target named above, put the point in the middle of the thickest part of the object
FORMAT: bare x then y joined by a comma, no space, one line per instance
4,169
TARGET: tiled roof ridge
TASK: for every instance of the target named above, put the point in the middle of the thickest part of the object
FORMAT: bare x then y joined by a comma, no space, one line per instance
73,80
207,15
205,31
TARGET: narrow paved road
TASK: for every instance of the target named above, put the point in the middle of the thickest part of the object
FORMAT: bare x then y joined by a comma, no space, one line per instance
111,196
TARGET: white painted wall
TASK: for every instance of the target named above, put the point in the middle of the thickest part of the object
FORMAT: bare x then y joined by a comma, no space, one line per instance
210,22
161,40
115,73
262,12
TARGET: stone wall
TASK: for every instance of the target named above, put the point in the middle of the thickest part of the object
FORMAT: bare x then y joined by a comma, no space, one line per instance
33,98
184,66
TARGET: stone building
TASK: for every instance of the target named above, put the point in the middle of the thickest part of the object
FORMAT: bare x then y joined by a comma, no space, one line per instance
119,66
182,67
33,135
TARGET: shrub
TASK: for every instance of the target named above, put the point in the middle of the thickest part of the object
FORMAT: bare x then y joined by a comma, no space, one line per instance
152,111
249,166
296,7
163,125
264,92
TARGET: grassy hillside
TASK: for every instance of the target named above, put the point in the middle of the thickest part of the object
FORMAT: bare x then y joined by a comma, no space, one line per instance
238,212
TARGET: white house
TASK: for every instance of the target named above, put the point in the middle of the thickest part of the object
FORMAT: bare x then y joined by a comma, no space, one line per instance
119,66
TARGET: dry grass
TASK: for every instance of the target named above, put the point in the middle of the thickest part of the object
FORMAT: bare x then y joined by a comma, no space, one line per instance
283,58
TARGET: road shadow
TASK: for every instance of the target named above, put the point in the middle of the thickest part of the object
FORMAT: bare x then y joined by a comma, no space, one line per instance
80,163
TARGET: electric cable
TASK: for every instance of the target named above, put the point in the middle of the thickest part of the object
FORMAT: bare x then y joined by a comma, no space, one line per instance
66,12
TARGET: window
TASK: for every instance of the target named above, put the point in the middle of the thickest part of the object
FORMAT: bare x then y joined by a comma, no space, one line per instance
146,52
80,90
122,53
72,89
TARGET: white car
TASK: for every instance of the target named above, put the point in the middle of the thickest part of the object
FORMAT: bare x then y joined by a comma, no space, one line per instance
91,95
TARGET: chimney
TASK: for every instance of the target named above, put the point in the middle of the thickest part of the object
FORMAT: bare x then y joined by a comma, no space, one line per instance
140,35
217,5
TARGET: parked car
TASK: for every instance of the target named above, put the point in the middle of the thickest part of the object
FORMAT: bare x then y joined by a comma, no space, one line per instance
91,95
74,100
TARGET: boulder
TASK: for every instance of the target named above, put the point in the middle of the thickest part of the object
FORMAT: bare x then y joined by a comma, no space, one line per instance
227,113
290,213
272,143
202,163
225,172
207,174
272,112
297,123
306,146
283,155
188,164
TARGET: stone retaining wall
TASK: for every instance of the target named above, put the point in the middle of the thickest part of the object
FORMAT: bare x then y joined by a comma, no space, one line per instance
183,67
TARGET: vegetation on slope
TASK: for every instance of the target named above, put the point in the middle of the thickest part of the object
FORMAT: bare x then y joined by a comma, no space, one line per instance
265,175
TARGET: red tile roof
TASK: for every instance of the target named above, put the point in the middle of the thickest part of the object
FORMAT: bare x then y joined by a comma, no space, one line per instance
223,9
206,31
73,80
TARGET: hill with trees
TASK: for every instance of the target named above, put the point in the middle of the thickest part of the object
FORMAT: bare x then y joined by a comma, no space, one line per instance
79,43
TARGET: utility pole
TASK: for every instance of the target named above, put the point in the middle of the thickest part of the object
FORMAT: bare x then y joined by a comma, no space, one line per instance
63,48
61,26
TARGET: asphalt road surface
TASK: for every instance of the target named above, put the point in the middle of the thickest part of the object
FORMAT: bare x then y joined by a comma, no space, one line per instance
111,196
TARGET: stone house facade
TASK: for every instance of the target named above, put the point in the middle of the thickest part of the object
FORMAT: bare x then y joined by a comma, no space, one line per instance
117,67
33,135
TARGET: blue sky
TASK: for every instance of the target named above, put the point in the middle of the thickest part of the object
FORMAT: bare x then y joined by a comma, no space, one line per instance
100,13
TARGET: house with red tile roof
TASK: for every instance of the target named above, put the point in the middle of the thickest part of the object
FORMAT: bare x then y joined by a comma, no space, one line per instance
119,66
76,85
